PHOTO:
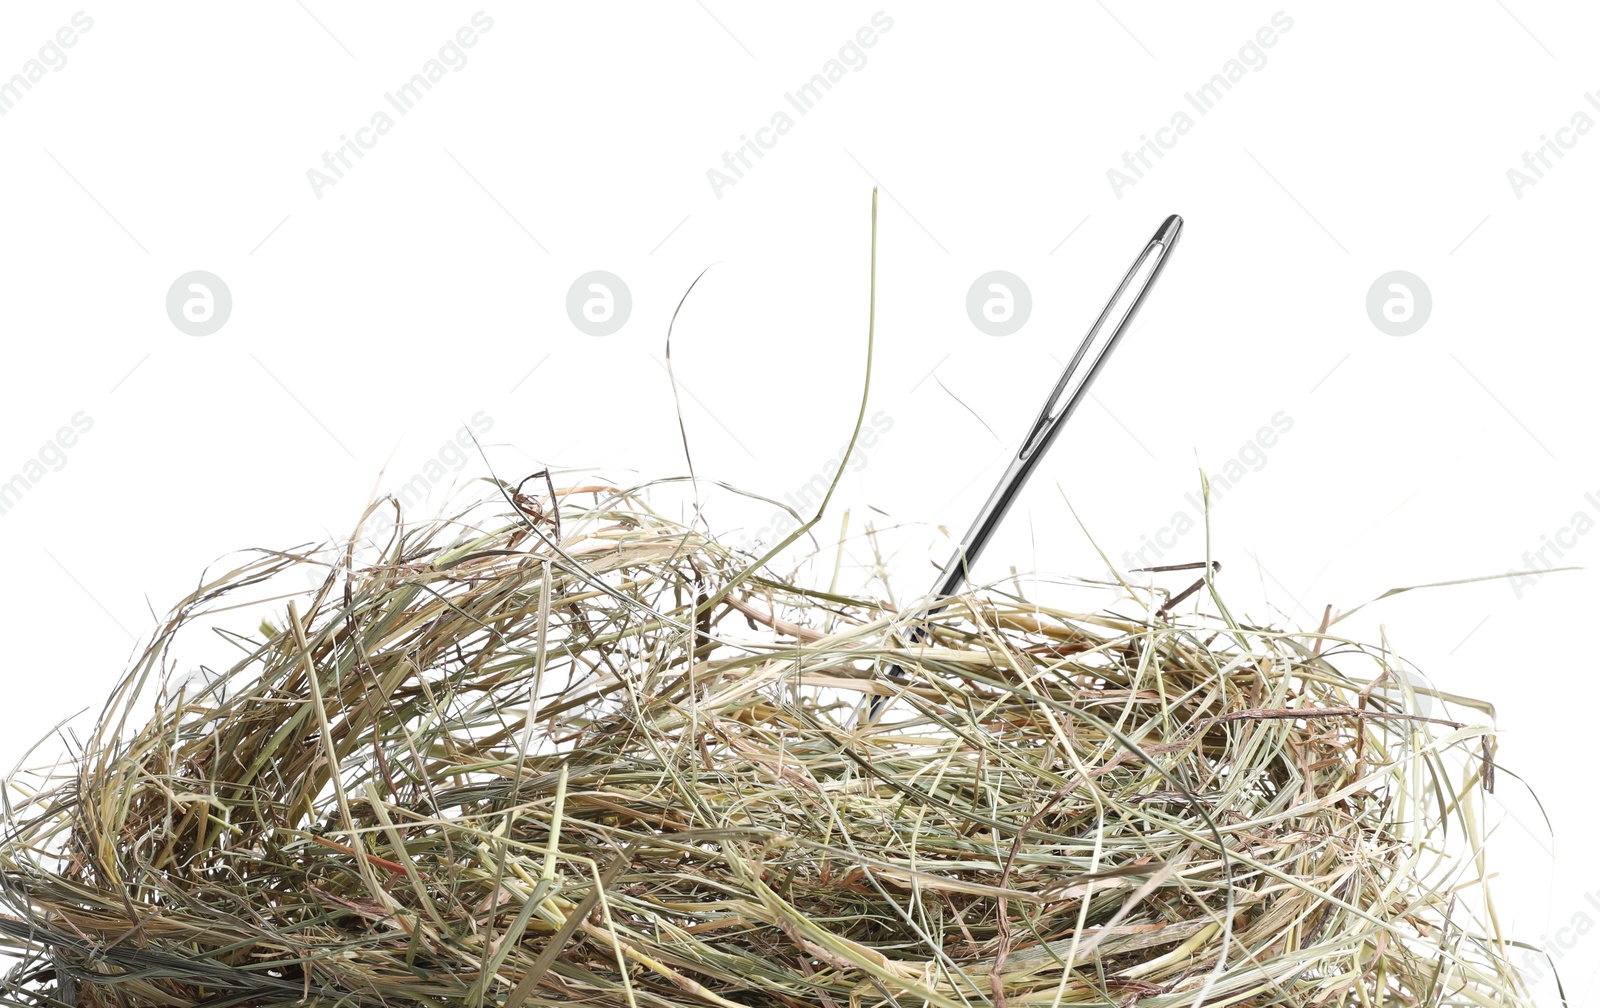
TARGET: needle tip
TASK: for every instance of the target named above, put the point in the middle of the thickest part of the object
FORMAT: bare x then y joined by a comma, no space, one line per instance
1168,233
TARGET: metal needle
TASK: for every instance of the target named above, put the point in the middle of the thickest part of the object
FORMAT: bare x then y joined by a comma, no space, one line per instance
1070,389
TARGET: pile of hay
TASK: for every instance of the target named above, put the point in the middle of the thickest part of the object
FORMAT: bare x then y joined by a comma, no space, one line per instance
577,754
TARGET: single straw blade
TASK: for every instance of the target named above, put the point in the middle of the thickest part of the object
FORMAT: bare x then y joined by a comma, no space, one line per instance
1069,390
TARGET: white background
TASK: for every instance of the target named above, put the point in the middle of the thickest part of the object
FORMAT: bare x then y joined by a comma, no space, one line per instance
372,319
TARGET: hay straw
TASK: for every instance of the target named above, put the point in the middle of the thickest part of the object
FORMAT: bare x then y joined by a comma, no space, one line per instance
572,753
551,758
